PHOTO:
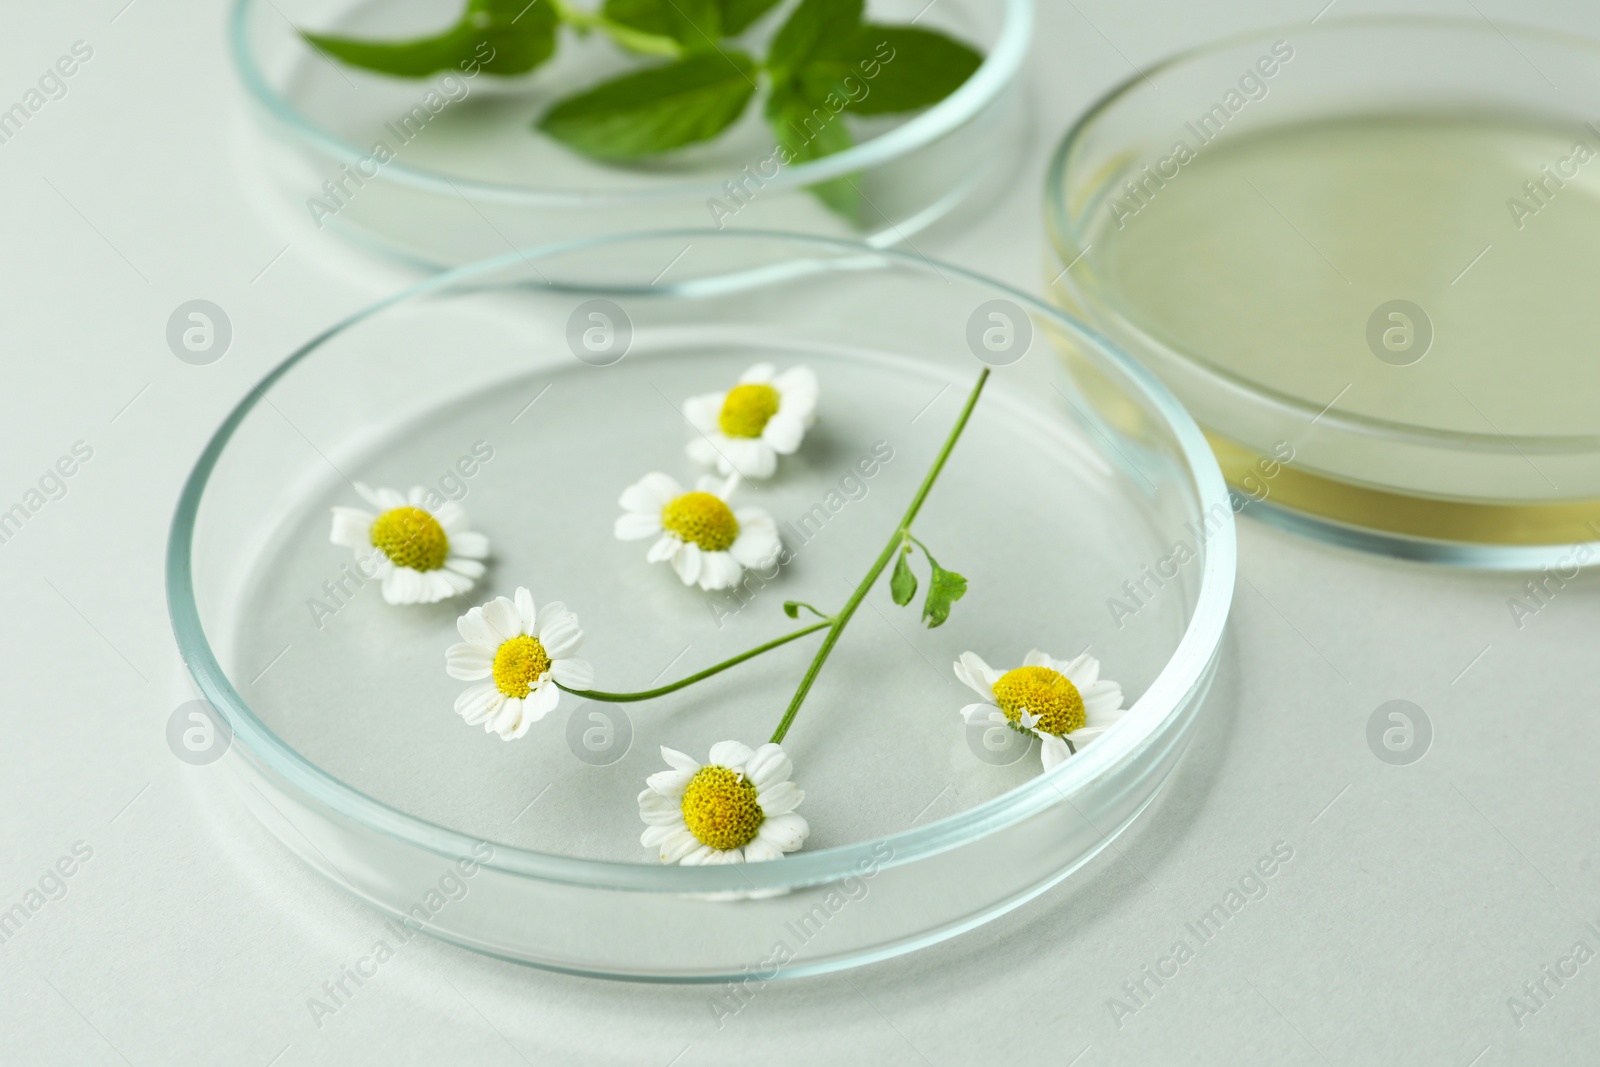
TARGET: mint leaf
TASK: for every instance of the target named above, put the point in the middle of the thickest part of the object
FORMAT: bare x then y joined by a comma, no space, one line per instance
944,589
806,132
887,69
655,110
738,15
902,583
695,24
494,36
808,27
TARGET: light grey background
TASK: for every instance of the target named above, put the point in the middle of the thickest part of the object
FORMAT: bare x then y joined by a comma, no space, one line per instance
1418,900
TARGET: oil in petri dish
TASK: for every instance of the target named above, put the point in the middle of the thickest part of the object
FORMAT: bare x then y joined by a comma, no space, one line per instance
1273,254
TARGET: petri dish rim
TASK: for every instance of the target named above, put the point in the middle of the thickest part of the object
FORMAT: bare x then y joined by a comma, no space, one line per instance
1188,669
1060,232
993,76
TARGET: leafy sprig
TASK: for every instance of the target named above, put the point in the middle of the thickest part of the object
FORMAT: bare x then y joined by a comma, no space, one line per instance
944,587
824,62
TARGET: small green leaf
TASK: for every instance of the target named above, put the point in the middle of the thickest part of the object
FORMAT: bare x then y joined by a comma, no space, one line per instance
739,15
791,608
944,589
696,24
810,132
656,110
810,25
494,36
902,583
886,69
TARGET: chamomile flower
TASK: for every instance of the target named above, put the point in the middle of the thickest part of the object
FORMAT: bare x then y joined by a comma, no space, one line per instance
748,427
739,807
708,542
423,555
523,654
1060,701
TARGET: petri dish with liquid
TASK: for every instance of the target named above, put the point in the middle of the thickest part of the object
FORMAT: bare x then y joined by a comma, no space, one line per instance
1363,253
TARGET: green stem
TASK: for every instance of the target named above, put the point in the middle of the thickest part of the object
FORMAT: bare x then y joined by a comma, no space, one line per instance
918,542
901,532
648,694
633,40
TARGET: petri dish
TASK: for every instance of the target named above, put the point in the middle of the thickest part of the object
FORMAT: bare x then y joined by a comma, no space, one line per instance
1359,252
1053,504
467,178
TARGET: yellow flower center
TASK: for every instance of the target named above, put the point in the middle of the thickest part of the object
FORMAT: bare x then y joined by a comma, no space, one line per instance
746,410
1044,693
702,519
518,664
720,809
410,537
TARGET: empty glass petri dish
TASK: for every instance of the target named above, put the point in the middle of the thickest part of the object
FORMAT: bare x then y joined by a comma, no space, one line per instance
447,170
1361,253
1083,518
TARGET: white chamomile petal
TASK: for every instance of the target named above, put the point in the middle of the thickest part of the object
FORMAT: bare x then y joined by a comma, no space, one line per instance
781,798
527,617
469,661
479,703
980,713
501,615
669,784
730,754
976,675
1084,671
679,760
650,493
658,807
686,562
788,831
559,631
761,850
573,673
719,570
737,808
636,525
675,848
768,765
1052,751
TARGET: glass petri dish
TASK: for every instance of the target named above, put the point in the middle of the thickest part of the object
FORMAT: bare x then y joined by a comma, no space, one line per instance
1360,252
1064,507
469,178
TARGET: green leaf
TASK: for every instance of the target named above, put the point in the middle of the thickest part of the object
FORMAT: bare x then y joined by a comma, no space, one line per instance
886,69
696,24
656,110
944,589
494,36
902,583
739,15
791,608
811,24
810,132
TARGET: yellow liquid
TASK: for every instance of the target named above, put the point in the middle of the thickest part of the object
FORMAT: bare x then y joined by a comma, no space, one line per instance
1268,254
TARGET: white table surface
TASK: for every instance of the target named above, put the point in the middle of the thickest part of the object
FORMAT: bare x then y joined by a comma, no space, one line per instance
1418,899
